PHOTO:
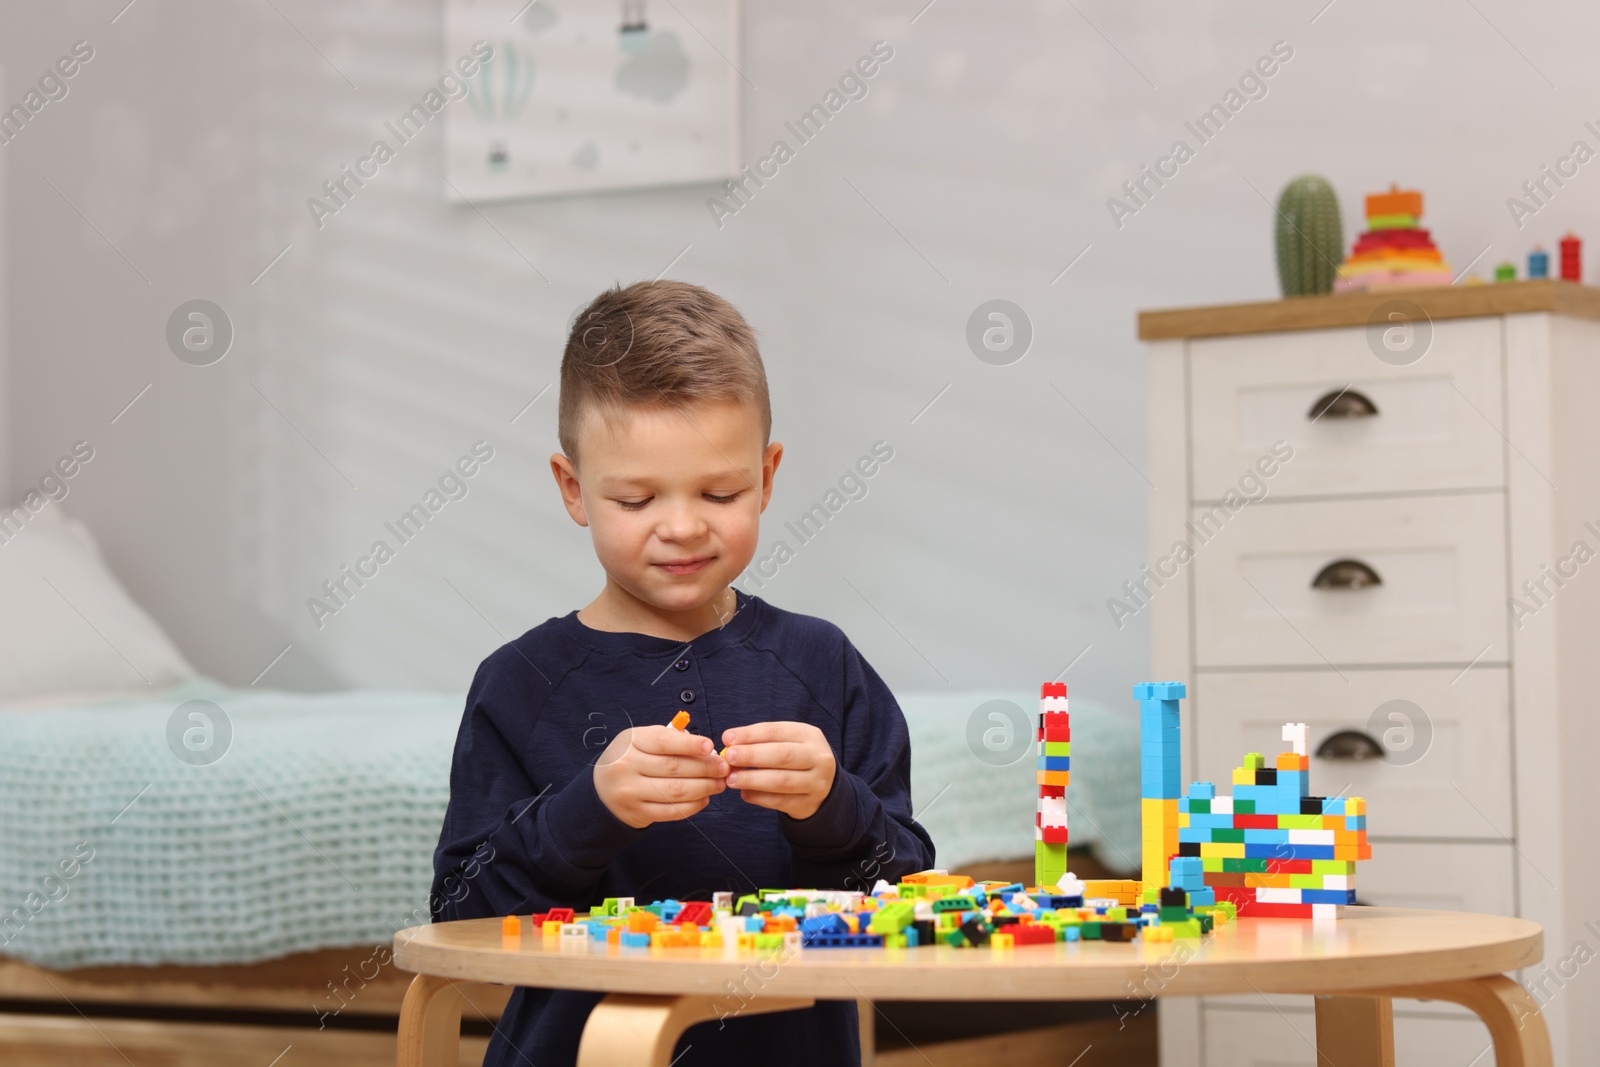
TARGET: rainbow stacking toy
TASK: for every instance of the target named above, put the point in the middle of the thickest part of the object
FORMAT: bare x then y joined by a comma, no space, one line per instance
1394,252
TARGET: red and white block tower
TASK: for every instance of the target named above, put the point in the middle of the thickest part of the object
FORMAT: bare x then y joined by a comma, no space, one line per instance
1053,772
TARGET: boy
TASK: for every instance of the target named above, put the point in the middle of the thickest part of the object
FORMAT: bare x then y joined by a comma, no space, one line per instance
568,787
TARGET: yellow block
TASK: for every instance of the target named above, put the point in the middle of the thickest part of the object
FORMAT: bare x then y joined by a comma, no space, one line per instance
1244,776
1355,806
1228,850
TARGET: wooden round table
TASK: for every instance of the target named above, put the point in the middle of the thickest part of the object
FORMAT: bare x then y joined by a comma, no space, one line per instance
1353,966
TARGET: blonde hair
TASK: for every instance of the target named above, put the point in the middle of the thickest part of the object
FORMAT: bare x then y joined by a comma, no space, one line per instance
657,343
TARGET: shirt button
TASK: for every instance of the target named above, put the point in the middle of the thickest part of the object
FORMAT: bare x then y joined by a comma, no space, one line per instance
687,696
682,665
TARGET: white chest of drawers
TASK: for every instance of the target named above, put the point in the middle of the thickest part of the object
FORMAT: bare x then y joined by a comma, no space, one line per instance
1423,568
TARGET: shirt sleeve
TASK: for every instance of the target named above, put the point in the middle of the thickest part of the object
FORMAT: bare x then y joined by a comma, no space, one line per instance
864,830
509,844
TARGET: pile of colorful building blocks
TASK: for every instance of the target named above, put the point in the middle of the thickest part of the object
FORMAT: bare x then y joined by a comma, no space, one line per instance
927,908
1394,251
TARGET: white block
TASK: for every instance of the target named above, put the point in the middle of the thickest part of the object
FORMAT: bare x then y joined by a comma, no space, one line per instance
1052,704
1296,734
1053,806
1270,895
1311,837
1219,805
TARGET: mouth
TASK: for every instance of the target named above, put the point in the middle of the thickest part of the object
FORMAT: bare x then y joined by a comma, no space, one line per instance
684,566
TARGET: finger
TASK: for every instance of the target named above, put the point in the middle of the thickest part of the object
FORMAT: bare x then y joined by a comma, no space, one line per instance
781,730
677,790
672,812
665,741
775,801
789,754
789,782
650,765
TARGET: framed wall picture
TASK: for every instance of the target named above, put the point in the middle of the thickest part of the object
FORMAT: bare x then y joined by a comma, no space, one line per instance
585,95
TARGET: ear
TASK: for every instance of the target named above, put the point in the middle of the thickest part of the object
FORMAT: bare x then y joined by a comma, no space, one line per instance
769,471
566,474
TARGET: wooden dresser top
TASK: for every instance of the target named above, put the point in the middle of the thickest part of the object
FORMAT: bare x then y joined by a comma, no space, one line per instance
1357,309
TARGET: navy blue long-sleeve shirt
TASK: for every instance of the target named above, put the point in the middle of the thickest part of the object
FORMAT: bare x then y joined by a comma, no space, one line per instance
525,830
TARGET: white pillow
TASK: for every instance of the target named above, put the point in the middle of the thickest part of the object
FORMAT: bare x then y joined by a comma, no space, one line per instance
66,623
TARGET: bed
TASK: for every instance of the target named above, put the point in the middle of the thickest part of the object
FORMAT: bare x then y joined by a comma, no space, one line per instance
190,866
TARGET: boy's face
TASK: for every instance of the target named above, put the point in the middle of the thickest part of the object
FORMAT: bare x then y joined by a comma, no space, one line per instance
672,497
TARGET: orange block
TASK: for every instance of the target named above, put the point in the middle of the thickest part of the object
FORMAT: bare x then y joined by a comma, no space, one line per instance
1292,761
641,922
1396,201
680,721
1052,777
960,881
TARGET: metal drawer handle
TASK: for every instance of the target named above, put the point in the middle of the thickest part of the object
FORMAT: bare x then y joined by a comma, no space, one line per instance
1349,745
1343,404
1346,574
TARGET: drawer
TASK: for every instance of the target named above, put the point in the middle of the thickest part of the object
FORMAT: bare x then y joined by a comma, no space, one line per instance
1264,1037
1439,595
1435,426
1447,768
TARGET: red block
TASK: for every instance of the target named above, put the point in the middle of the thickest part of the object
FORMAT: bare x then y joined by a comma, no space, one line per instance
1054,835
1052,689
1255,822
1259,910
694,913
1052,790
1032,934
538,918
562,915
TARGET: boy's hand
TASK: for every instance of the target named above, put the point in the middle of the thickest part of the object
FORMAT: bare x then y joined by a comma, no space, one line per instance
657,774
787,766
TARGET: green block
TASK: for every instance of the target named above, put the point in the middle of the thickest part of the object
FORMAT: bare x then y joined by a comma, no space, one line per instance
953,904
1188,929
1212,863
1201,806
1244,807
1245,866
1089,931
1206,922
1235,837
891,919
1299,822
1173,914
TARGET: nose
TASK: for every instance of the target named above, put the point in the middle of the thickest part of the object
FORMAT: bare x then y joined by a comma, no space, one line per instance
682,522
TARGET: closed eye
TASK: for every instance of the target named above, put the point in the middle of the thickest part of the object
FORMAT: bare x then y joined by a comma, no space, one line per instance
633,505
730,498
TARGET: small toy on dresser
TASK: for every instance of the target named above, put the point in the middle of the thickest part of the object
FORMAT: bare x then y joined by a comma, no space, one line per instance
1394,252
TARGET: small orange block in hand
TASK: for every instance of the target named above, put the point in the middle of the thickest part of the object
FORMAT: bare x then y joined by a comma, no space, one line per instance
680,721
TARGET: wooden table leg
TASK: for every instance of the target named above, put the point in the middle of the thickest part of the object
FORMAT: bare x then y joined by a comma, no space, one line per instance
628,1030
430,1024
867,1027
1521,1038
1355,1032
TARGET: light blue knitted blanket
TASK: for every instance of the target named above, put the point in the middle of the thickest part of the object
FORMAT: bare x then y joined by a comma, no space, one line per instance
317,828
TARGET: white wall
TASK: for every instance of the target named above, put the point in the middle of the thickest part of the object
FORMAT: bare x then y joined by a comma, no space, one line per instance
406,329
